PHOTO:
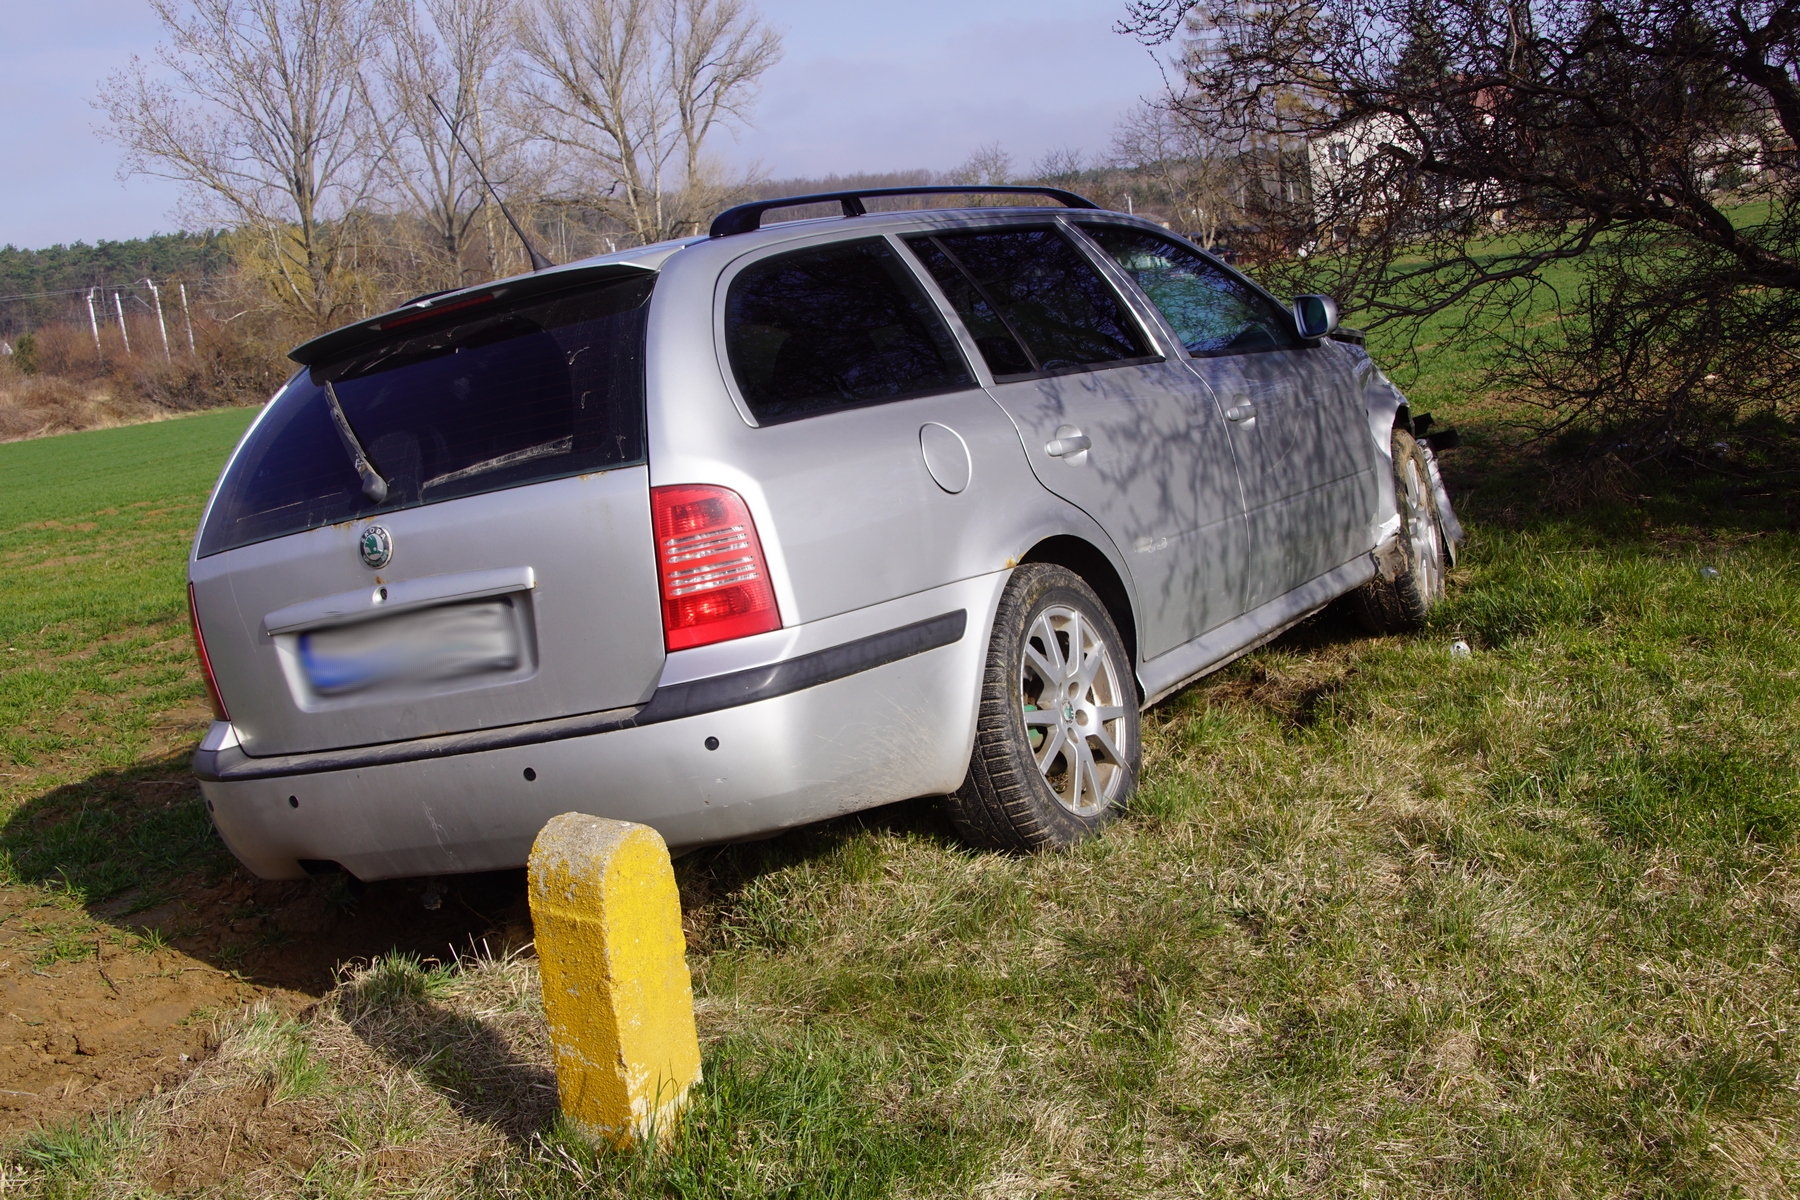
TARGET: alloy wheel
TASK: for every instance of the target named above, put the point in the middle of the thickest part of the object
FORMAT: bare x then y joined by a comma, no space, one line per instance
1073,700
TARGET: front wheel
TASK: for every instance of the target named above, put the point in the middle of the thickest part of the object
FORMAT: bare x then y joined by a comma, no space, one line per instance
1056,742
1398,599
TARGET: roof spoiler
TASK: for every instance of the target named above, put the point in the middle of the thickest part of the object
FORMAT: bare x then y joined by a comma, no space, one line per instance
343,340
747,218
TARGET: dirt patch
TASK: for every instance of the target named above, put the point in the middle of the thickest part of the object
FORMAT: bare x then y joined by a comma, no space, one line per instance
120,1000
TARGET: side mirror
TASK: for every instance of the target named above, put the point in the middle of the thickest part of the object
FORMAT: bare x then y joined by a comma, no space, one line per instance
1315,316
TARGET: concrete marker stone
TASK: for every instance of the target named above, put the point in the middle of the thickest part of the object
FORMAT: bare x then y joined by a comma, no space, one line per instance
617,995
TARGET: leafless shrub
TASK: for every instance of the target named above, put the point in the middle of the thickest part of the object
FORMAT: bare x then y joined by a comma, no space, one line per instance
33,405
1606,193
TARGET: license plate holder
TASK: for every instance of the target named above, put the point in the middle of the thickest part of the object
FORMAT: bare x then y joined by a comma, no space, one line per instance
412,649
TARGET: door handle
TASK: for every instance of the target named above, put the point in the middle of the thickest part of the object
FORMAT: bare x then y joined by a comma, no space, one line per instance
1245,411
1068,444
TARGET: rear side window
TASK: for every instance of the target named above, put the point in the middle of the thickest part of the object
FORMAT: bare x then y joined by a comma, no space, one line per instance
1212,311
508,396
832,327
1031,300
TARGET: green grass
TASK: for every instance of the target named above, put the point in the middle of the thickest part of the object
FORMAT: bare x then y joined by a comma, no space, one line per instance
99,697
1382,919
78,1160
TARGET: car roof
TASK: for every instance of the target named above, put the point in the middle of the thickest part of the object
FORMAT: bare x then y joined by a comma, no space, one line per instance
650,258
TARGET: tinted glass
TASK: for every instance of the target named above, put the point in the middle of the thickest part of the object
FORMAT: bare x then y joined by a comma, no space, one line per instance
1212,312
998,346
833,326
1047,294
507,397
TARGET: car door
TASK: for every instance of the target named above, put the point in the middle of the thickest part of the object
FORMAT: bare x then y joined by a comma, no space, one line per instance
1295,423
1107,422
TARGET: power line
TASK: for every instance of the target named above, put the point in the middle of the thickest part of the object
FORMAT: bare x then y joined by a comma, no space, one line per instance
80,291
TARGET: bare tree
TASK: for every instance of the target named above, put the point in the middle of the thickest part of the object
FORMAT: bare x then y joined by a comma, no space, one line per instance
1201,181
264,119
1064,166
985,164
1638,157
457,52
630,90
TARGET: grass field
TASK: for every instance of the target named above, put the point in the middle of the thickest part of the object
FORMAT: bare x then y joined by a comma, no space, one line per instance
1383,920
97,671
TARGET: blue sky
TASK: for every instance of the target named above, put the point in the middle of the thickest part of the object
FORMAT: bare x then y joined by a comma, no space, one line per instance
863,87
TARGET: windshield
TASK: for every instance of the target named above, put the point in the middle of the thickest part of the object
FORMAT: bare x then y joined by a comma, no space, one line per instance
1211,311
509,395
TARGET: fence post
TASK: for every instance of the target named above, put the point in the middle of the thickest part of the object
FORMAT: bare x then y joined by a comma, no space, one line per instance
185,319
620,1005
164,329
119,307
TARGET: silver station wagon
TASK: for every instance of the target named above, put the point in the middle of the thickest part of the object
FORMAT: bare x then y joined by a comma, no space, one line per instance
750,530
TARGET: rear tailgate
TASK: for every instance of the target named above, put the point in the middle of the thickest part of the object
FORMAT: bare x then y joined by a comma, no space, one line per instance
507,575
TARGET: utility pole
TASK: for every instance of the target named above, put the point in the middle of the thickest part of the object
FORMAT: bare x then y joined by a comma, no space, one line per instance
93,321
157,297
119,307
185,319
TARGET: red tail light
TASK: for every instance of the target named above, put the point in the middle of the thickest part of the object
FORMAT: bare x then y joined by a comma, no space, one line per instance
206,671
715,584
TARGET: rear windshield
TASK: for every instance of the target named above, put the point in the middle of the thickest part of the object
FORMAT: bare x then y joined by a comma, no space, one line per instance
511,395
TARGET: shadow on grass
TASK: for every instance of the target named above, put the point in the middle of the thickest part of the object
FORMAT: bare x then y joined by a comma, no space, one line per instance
468,1061
1741,480
135,848
712,878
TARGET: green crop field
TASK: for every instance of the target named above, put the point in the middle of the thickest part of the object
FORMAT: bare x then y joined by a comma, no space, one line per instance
1384,919
97,670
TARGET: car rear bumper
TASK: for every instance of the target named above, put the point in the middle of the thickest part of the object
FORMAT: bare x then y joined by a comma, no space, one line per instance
850,712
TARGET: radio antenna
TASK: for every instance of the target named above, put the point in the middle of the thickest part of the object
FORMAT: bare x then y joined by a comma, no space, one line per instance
538,261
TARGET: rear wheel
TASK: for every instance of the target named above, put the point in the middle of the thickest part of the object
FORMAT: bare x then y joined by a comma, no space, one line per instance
1398,599
1056,743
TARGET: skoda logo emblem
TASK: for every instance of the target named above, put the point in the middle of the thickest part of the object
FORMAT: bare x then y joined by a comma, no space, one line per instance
376,547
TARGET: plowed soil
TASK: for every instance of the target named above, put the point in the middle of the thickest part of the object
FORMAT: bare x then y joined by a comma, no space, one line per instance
102,1006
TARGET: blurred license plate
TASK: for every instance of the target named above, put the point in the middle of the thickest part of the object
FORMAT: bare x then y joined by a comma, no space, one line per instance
417,647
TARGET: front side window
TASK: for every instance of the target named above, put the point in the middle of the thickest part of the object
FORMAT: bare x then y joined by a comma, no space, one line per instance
508,395
1212,311
833,327
1032,301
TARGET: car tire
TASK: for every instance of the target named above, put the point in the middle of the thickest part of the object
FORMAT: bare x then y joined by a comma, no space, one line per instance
1399,598
1044,777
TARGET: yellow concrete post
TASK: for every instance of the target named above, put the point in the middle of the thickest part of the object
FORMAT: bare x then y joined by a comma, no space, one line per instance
607,918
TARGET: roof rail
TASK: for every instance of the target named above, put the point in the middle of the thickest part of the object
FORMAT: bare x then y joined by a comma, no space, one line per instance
747,218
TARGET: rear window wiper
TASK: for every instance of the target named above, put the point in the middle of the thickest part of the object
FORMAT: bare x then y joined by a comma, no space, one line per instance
373,485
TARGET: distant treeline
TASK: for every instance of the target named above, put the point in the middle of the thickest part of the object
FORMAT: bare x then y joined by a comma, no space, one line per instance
26,275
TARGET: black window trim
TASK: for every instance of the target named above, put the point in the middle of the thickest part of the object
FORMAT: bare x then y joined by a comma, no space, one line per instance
999,315
931,235
722,350
974,384
1300,343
